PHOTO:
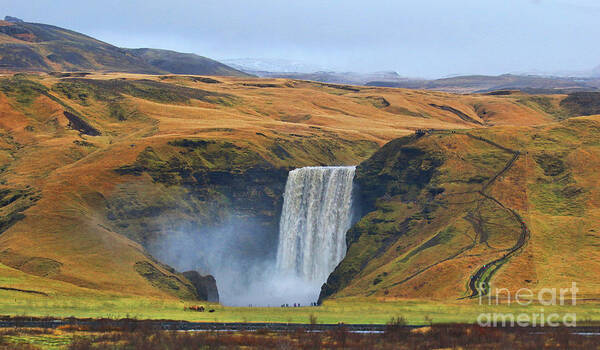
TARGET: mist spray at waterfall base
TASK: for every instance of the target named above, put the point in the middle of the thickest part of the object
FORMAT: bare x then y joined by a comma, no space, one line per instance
239,253
317,211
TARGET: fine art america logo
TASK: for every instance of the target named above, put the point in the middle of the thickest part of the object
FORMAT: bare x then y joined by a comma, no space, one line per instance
524,297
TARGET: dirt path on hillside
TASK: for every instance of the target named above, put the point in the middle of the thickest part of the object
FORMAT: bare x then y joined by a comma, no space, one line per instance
484,273
479,281
23,291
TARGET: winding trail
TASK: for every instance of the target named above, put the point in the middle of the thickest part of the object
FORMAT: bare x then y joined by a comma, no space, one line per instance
479,281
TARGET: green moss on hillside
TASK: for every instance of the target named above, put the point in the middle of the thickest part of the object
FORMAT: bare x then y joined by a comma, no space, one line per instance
199,183
22,89
393,177
547,105
440,238
313,150
172,284
582,103
82,90
400,167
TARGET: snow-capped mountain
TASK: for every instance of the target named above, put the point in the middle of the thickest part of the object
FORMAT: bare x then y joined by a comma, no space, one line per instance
272,65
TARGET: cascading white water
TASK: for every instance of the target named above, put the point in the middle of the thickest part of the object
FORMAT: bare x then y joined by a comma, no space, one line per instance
317,212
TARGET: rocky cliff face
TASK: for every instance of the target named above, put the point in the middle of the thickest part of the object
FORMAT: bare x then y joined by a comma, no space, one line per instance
206,286
200,184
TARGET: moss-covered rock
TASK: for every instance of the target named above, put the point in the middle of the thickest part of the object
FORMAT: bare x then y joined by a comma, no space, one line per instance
203,182
201,185
398,168
399,172
13,202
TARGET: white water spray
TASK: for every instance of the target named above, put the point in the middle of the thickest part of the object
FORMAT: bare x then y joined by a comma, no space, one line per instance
317,212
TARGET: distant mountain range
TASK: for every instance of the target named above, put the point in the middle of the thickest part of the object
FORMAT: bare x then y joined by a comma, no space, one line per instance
41,47
351,78
483,83
587,81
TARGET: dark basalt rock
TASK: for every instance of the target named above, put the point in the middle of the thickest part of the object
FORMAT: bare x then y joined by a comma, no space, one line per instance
206,286
81,125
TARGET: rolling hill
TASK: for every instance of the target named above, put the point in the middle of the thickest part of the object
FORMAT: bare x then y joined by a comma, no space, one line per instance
95,168
45,48
483,83
514,207
535,84
184,63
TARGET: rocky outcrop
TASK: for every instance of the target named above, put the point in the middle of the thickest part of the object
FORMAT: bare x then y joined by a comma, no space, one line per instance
206,286
79,124
13,202
13,19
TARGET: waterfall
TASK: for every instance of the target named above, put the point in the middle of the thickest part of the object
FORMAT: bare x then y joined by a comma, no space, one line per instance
317,212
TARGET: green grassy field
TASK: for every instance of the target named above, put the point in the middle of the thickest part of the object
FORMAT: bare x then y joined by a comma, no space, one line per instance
346,310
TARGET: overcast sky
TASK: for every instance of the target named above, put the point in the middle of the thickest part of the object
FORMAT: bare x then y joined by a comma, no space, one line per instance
423,38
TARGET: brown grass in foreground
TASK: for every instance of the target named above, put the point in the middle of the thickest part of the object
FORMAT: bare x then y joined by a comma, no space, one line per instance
443,336
147,335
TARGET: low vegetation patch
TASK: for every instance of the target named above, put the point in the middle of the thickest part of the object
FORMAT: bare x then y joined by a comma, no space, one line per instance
551,164
582,103
22,89
168,283
141,335
82,90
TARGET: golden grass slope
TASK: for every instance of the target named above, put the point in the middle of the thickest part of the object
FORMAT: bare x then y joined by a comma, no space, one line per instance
487,186
65,177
